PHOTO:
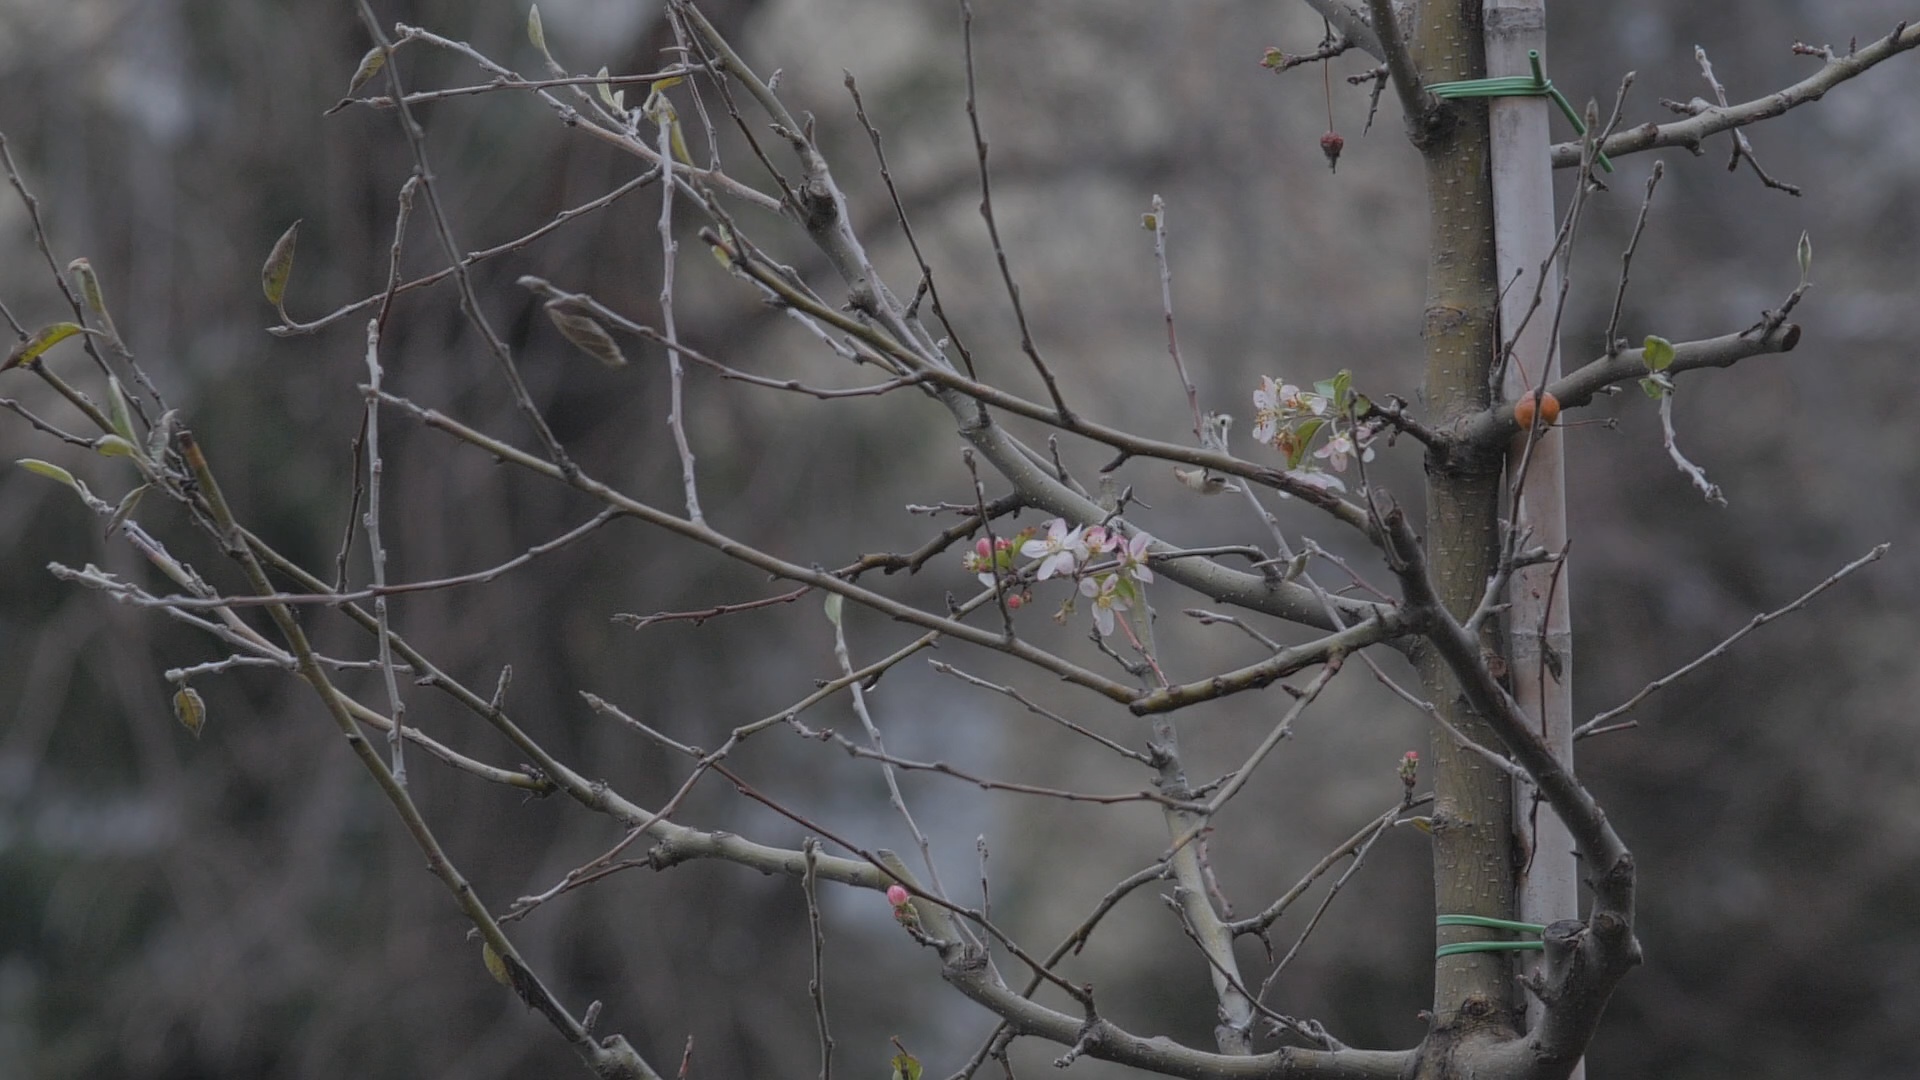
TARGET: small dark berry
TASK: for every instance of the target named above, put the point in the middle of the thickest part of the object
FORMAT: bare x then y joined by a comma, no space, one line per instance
1331,144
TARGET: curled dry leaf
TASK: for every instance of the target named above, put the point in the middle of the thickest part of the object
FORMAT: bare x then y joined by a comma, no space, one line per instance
586,333
190,710
370,66
279,266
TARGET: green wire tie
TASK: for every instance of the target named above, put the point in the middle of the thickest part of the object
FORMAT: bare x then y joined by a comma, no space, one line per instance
1535,85
1492,924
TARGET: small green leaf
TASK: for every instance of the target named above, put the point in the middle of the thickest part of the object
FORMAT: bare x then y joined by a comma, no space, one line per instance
496,967
43,339
118,412
834,603
1656,386
159,439
535,32
1342,384
113,446
1805,252
94,300
370,66
906,1066
49,470
279,266
615,101
1150,222
1659,353
586,333
1303,441
190,710
125,510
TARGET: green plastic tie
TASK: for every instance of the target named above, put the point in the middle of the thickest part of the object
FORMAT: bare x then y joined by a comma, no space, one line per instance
1459,947
1535,85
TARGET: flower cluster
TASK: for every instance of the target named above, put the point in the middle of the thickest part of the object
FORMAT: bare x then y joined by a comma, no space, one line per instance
1289,419
1111,567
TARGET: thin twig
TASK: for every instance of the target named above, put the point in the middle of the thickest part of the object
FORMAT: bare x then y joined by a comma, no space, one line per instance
1611,343
993,229
376,468
1594,726
471,258
1159,217
817,986
469,301
913,243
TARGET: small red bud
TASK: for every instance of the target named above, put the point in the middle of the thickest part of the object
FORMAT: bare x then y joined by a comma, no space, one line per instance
1331,144
981,548
897,895
1014,602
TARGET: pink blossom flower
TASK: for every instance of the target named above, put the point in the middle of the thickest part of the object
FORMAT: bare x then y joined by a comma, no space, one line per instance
1336,451
1133,558
1058,551
1107,599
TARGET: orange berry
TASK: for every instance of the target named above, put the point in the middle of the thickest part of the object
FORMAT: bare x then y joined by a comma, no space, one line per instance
1548,408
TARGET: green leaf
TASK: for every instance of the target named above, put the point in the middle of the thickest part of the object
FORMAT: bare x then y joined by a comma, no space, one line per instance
1342,384
496,967
1303,441
190,710
279,266
113,446
1656,386
51,471
906,1066
587,335
370,66
118,412
43,339
1659,353
125,510
535,32
615,101
833,605
91,296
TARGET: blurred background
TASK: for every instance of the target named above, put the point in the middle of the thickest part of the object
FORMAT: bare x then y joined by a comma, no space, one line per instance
244,905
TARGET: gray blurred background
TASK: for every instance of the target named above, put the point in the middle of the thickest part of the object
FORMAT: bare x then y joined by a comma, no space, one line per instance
245,905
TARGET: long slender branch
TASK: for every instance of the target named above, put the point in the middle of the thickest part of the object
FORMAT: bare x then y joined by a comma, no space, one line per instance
1755,623
704,534
443,228
611,1057
1694,130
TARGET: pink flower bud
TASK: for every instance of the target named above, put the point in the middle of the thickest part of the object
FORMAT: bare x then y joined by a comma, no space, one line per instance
1014,602
1413,756
897,894
982,547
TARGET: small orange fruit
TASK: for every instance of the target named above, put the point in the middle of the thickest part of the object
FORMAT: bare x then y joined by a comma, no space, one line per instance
1524,409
